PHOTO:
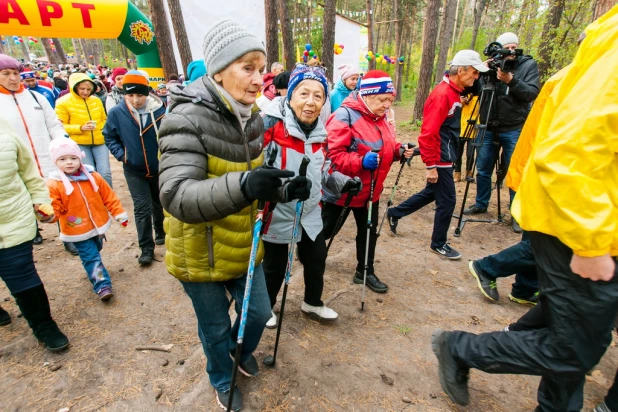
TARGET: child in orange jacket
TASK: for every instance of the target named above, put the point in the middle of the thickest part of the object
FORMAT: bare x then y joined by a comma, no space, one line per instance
82,202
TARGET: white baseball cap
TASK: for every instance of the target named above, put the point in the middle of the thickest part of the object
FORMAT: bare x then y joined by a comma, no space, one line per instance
469,58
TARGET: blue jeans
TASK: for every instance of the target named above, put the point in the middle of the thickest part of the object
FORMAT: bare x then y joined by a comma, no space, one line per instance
486,160
98,156
91,260
17,268
517,259
214,327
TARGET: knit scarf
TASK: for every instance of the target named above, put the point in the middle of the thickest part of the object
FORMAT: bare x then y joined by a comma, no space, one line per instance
240,110
117,94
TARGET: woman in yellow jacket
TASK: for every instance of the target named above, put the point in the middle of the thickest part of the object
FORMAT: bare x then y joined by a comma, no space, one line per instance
83,117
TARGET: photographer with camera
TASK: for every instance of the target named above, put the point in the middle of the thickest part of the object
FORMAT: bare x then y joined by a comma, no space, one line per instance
516,80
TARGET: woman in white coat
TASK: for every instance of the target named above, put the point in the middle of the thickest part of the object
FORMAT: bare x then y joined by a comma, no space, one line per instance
32,117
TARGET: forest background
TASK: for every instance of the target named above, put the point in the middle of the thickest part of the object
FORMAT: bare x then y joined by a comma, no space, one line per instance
424,34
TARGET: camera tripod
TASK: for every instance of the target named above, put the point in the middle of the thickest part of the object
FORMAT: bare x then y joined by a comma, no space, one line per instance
475,135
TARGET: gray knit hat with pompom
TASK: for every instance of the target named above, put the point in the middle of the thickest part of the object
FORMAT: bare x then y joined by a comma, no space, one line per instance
225,43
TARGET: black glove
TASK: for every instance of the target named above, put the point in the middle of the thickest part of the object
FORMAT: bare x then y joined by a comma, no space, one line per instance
264,184
353,186
298,188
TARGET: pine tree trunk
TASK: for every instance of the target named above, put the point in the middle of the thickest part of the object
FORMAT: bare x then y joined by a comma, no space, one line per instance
60,51
370,44
464,14
182,41
601,7
478,14
446,32
125,56
328,37
430,33
554,15
399,29
455,25
81,53
272,33
25,51
164,40
379,14
286,31
412,38
51,56
309,14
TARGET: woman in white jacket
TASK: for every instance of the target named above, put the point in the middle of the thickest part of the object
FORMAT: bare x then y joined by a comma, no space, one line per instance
32,117
29,113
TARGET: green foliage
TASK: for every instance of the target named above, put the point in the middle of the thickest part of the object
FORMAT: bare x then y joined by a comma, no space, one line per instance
403,329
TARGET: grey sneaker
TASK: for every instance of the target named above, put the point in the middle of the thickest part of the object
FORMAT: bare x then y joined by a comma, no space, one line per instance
453,378
249,368
474,210
223,399
487,286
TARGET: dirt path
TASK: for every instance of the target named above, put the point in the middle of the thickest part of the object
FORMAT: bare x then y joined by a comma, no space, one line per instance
379,360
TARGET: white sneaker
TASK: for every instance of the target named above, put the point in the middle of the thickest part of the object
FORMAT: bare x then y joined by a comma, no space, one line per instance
272,322
322,312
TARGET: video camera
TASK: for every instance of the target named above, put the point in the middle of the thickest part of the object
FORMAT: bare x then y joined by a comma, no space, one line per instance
498,57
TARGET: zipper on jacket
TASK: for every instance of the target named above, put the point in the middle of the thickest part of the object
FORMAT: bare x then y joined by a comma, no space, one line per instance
125,154
90,117
246,143
23,119
211,249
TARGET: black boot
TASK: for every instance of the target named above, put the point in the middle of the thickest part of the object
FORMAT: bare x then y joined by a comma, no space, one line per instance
5,318
146,258
38,239
159,237
35,308
70,247
372,282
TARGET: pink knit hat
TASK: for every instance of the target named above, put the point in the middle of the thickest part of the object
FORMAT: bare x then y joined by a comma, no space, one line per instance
67,147
347,70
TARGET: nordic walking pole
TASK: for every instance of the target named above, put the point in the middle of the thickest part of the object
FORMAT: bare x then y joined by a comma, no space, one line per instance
257,229
390,199
272,359
339,222
369,208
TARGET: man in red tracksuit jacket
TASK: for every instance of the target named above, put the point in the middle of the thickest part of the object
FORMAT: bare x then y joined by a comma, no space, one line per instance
438,145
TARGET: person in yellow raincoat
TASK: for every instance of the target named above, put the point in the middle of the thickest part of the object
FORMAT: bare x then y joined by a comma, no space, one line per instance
469,111
568,202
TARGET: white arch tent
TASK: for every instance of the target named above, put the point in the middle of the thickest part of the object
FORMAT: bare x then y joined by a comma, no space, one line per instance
200,15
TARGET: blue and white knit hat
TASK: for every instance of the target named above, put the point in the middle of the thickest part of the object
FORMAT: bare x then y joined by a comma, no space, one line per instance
304,72
27,74
376,82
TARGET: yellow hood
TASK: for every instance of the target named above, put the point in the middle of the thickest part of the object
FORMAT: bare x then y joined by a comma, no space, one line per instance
569,188
77,78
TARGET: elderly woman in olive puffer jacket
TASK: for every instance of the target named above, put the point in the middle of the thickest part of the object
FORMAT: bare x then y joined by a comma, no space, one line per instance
210,175
22,192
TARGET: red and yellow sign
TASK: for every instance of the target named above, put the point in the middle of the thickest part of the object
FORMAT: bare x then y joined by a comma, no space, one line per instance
99,19
141,32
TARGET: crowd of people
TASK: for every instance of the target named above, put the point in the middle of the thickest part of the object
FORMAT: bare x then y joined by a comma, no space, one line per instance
201,156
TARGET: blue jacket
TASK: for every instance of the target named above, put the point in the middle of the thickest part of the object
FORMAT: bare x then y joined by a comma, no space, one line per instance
338,95
132,138
50,94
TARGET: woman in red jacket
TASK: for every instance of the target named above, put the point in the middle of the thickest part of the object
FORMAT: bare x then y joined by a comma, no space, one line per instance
354,130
